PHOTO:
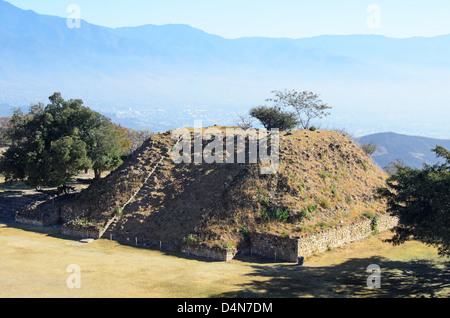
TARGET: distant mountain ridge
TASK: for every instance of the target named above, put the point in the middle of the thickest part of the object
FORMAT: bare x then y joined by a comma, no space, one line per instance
413,151
44,39
166,76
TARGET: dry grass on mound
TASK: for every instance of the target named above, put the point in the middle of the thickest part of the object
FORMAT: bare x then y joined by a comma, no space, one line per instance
324,180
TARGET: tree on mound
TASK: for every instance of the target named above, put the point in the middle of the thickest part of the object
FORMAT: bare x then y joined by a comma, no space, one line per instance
307,105
274,117
52,143
421,200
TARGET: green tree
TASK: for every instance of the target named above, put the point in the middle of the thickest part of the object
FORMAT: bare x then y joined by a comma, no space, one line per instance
125,141
307,105
52,143
421,200
67,156
274,117
105,149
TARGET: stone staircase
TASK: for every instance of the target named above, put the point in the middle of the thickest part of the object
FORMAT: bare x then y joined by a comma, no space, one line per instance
144,187
9,205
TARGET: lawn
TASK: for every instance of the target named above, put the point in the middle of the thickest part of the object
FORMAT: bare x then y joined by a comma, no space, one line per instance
34,262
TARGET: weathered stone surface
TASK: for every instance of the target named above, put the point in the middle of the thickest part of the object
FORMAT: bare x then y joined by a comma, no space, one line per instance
289,249
221,254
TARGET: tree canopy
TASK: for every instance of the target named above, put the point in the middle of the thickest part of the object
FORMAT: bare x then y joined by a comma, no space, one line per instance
274,117
52,143
307,105
421,200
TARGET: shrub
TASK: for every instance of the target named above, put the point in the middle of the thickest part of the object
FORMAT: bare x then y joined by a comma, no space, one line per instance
375,222
307,229
324,203
119,212
245,232
334,190
369,215
279,214
282,215
264,202
84,222
323,224
191,239
369,148
364,165
323,174
304,214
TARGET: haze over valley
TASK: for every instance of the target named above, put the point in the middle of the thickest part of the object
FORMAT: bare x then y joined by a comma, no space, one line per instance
165,77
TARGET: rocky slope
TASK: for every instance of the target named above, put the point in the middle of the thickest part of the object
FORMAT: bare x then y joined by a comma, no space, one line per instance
324,180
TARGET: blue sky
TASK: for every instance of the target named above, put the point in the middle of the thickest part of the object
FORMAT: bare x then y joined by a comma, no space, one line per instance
280,18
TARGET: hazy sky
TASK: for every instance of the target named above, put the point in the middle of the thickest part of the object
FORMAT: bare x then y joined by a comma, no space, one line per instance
280,18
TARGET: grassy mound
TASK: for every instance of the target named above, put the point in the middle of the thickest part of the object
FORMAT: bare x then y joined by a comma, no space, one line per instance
324,180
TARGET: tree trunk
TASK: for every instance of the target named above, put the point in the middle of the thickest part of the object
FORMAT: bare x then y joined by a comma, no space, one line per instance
97,174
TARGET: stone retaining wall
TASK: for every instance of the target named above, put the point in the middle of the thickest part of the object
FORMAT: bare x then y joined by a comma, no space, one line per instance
9,206
274,247
341,235
225,254
32,222
290,249
141,242
80,232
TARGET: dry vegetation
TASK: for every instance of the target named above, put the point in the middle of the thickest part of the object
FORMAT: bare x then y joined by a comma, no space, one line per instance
325,179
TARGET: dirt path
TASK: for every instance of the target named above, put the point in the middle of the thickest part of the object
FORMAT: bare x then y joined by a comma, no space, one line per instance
34,262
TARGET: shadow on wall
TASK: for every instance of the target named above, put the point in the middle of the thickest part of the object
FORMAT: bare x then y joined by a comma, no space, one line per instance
399,279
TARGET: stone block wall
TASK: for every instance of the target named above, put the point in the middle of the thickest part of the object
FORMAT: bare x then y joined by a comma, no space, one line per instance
341,235
274,247
290,249
10,205
80,232
220,254
32,222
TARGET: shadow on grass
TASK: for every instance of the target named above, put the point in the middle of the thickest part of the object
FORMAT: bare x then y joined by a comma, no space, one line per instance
399,279
14,187
54,231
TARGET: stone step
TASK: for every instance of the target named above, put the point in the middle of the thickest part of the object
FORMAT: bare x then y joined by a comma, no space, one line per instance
9,206
5,217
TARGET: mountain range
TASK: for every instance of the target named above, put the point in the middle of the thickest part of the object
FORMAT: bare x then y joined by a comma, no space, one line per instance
163,77
412,151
